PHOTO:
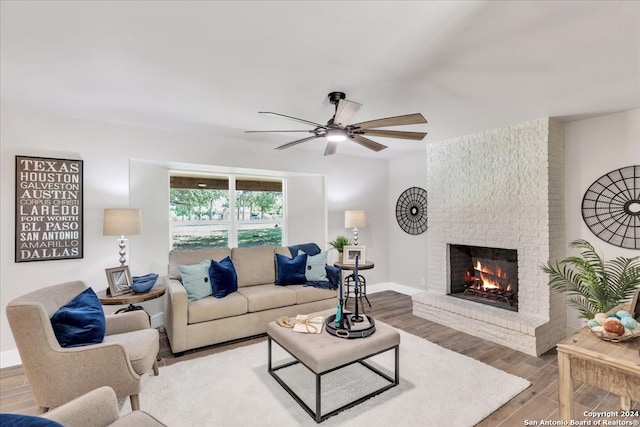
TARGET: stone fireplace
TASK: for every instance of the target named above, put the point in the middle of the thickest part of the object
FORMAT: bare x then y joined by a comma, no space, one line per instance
500,189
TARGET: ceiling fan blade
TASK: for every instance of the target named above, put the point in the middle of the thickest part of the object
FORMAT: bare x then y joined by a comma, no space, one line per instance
292,118
394,134
278,131
371,145
409,119
331,148
299,141
344,111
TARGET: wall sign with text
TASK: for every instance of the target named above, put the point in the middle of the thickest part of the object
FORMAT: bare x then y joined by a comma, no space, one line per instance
48,209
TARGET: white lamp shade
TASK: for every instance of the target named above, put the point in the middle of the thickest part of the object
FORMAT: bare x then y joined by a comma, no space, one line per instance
355,219
122,222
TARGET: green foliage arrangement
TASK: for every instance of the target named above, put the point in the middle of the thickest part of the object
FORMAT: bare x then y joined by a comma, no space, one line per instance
340,242
594,285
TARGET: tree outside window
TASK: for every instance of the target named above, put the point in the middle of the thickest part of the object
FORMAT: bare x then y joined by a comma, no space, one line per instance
200,212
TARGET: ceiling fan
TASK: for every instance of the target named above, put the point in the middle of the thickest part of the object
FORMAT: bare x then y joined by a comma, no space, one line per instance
337,130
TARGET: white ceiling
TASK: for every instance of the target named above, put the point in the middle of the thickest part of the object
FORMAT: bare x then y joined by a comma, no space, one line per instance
211,66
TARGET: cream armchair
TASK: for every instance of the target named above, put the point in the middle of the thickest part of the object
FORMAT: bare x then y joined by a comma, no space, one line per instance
57,374
98,408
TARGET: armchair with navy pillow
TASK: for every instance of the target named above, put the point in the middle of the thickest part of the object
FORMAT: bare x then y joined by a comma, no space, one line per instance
68,346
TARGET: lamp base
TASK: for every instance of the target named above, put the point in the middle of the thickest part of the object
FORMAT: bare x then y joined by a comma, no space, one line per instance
122,244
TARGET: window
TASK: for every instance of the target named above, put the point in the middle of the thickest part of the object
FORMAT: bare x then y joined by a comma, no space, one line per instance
219,211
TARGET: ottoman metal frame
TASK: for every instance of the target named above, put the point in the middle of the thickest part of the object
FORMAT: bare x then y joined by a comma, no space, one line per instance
317,414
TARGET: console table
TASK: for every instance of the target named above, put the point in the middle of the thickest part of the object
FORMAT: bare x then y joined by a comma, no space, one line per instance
614,367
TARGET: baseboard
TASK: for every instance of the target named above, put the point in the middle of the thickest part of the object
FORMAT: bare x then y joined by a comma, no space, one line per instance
9,358
391,286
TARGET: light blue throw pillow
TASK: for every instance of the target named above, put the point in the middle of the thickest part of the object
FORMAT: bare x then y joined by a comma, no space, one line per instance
315,270
195,279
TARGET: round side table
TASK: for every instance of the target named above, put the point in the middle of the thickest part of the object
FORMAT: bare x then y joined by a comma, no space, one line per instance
361,291
131,298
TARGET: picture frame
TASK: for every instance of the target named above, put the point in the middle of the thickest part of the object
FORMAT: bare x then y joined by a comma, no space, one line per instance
634,308
48,209
119,279
350,253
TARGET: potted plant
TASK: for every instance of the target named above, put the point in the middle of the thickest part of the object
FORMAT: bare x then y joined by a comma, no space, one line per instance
339,243
594,285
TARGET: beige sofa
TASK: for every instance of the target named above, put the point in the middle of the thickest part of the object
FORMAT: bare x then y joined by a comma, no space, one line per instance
245,313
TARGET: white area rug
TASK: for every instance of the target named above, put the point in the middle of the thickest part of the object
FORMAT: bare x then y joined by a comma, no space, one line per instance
438,387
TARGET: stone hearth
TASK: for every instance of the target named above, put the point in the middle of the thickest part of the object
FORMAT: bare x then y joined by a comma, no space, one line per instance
502,188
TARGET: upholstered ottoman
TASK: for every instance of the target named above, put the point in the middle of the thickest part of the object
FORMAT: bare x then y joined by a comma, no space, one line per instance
323,353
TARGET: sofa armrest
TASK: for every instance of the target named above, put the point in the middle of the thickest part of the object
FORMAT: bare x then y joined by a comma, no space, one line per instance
126,322
176,315
99,407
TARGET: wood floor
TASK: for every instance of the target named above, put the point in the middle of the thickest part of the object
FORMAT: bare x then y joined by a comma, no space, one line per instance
536,403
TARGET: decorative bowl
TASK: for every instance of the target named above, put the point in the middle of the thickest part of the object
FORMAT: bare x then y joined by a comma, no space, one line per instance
142,287
629,334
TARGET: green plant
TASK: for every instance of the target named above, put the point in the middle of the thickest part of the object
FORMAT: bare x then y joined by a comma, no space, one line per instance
594,285
340,242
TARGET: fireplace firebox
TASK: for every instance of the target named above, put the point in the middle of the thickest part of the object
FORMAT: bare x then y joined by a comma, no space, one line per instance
484,275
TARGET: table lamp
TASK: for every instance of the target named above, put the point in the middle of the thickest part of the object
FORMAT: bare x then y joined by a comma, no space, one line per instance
122,222
355,220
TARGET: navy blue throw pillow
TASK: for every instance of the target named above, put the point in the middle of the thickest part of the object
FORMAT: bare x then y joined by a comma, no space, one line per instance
15,420
224,279
80,322
291,271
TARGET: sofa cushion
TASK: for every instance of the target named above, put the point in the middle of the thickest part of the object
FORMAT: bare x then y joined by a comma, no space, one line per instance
211,308
283,250
291,271
265,297
305,294
315,270
189,257
81,321
195,279
254,265
223,278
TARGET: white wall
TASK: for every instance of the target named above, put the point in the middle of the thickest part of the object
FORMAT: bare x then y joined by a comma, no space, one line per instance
408,254
112,154
594,147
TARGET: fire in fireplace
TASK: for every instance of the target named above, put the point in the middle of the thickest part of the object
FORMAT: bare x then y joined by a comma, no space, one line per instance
484,275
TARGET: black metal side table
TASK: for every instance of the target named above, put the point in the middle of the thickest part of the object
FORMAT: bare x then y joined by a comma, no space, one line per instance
350,279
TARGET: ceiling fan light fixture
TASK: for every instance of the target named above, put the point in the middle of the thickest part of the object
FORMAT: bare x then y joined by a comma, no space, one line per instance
336,135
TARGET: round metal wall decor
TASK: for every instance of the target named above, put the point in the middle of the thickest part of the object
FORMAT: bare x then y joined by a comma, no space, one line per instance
411,210
611,207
